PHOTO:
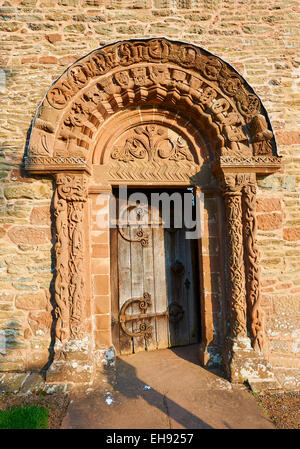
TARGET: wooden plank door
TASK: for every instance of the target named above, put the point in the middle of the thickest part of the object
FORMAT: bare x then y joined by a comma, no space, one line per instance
154,287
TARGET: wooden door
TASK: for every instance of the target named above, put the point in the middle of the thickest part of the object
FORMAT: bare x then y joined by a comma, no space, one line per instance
154,285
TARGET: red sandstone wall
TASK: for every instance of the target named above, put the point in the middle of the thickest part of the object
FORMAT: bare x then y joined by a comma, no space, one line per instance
39,39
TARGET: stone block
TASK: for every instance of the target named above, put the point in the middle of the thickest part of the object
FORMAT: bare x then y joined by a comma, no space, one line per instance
100,266
288,137
130,29
103,339
7,296
288,379
75,28
12,382
6,366
40,323
31,301
102,322
28,235
10,27
268,205
30,191
68,2
74,372
100,250
269,222
100,237
101,284
2,232
48,60
103,29
102,304
291,234
53,38
37,360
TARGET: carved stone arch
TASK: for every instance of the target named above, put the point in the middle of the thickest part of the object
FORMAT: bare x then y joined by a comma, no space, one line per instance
176,107
170,75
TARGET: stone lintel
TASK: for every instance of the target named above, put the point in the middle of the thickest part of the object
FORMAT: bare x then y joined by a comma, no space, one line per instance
254,164
57,164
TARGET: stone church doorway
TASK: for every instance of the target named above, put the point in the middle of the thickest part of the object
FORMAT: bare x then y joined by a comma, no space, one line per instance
154,273
154,113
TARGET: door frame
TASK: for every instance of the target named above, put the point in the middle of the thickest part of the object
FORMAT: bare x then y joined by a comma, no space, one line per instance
114,255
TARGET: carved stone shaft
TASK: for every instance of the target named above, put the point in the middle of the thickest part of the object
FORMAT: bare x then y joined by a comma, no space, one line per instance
70,195
235,261
252,266
62,270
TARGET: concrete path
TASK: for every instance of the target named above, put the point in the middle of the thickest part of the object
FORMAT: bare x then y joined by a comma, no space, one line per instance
165,389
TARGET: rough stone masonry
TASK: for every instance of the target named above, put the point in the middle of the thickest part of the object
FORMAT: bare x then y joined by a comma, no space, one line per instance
39,40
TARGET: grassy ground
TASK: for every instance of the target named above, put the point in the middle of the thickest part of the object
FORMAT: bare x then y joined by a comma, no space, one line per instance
283,409
28,417
55,405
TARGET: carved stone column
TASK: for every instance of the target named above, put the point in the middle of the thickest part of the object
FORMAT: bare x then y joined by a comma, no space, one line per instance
72,341
237,348
252,266
232,193
240,360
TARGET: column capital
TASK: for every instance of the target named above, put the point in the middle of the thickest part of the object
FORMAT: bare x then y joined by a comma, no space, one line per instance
234,183
71,186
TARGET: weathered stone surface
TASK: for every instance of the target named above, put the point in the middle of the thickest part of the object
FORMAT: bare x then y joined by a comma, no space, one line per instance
10,26
37,360
289,379
248,365
75,28
40,216
27,235
33,384
269,222
30,191
288,137
287,305
48,60
78,372
11,383
53,38
6,296
32,301
291,234
18,366
40,323
268,205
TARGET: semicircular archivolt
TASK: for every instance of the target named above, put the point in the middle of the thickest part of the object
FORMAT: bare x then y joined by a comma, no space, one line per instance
171,75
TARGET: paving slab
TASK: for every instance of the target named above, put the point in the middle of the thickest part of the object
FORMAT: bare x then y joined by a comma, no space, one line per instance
165,389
